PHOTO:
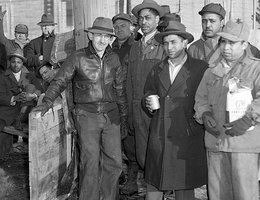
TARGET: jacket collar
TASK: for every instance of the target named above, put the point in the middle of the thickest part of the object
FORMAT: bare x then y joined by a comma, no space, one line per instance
108,50
9,71
129,42
217,66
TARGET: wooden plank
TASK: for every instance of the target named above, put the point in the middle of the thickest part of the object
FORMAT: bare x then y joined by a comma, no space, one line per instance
11,130
48,154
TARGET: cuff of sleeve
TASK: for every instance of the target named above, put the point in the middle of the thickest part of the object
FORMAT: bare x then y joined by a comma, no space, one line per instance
12,102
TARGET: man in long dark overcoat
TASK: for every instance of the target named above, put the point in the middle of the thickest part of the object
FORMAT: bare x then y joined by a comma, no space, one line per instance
176,158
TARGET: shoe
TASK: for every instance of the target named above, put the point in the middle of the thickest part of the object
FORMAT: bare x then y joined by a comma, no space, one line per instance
131,187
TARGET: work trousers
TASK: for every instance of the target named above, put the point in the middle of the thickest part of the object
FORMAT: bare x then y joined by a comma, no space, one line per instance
100,156
232,176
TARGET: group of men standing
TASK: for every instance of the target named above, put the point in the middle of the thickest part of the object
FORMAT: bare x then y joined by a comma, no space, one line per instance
163,100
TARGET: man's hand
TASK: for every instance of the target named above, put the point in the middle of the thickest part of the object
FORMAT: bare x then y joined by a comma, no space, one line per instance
41,108
28,96
238,127
19,97
50,75
210,123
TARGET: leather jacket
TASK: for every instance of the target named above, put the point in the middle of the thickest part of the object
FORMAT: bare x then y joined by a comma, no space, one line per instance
98,83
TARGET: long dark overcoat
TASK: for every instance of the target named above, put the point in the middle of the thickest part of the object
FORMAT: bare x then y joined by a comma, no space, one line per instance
176,157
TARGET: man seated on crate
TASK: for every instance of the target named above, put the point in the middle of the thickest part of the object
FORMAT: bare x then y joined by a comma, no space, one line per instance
19,90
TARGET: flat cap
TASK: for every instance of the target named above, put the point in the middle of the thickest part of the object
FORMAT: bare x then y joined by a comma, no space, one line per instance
235,31
123,16
21,28
213,8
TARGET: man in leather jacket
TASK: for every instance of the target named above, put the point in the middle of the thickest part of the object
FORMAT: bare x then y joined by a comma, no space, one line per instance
100,106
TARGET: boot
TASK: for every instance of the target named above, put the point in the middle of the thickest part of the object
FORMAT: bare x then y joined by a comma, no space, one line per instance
130,186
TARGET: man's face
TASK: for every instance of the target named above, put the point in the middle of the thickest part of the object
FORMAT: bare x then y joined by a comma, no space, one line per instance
232,51
47,29
100,41
21,37
211,24
174,45
148,21
44,71
122,29
16,64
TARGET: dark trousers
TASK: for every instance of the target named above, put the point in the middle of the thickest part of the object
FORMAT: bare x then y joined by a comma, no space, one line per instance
100,156
141,124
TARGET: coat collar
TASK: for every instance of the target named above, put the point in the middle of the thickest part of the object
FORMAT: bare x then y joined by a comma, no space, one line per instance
10,74
164,75
217,67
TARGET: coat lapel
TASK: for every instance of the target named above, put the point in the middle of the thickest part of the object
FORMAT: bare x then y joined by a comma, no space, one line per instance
180,79
164,75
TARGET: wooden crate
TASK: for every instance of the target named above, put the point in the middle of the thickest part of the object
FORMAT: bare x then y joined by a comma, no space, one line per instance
49,153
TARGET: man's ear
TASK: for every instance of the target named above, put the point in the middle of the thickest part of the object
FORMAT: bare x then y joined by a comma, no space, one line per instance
90,35
157,19
245,45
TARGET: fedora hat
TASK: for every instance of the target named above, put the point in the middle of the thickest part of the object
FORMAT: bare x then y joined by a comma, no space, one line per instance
148,4
174,28
17,53
46,20
102,25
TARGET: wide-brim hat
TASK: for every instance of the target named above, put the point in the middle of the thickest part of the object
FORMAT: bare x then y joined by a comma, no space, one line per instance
148,4
46,20
174,28
17,53
102,25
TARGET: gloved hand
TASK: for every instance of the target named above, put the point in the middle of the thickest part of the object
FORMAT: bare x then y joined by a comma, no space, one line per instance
43,108
238,127
124,128
210,123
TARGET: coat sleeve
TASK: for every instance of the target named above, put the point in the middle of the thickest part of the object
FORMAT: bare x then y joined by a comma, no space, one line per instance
5,94
61,80
149,89
3,39
201,97
120,86
31,55
253,110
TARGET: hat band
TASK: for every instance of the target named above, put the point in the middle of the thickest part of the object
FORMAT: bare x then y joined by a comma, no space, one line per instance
172,29
103,29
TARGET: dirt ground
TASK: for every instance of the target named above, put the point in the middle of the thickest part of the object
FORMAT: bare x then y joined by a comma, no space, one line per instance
14,181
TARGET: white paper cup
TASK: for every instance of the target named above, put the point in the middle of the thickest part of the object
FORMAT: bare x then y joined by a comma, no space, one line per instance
154,102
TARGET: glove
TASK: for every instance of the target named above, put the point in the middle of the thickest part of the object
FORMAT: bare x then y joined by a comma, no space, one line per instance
210,123
43,108
124,129
238,127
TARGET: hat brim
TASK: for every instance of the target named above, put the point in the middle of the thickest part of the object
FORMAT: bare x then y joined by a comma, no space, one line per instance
159,36
93,30
46,23
122,18
17,55
139,7
230,37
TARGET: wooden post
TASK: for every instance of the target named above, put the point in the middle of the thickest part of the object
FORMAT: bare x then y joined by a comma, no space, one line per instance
85,13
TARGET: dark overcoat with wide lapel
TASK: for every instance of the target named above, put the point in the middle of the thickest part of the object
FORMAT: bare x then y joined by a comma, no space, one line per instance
176,157
10,87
